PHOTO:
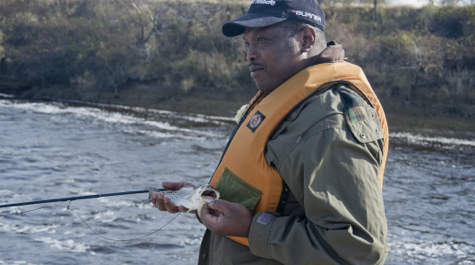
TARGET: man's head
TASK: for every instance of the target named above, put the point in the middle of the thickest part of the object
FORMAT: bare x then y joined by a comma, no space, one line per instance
282,37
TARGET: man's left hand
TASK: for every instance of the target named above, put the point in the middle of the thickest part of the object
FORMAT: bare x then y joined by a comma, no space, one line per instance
226,218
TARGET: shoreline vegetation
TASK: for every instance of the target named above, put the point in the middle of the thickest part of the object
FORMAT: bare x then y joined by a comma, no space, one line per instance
172,55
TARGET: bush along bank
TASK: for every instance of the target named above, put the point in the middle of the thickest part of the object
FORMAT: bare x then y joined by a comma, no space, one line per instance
171,54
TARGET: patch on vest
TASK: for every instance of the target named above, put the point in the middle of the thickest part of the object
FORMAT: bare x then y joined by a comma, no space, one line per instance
355,110
255,121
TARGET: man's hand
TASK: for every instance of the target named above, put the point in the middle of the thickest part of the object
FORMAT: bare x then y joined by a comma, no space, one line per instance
163,203
226,218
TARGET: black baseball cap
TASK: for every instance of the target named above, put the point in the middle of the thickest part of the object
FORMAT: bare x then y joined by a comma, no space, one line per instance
263,13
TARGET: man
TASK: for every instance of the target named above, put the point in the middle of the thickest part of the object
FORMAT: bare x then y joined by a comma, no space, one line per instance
301,177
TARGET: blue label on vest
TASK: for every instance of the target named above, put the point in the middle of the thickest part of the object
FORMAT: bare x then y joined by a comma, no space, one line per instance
265,218
255,121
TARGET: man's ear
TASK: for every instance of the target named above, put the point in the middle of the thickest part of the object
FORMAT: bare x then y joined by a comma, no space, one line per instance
307,39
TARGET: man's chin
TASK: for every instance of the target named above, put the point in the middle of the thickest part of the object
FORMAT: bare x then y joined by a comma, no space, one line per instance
266,88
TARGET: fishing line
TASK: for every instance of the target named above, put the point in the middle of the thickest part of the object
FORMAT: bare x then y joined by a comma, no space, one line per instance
68,207
20,213
113,239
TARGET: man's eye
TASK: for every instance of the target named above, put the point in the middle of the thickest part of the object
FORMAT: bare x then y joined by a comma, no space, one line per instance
261,39
247,44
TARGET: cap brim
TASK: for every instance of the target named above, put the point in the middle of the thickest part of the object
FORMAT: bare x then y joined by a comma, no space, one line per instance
250,20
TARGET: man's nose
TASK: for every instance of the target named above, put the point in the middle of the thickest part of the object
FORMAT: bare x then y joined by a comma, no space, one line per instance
251,54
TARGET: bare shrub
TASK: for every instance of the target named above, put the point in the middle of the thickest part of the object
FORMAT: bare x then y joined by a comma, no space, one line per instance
408,54
462,84
84,82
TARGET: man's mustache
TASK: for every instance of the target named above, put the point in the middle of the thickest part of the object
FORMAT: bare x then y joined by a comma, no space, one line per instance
255,65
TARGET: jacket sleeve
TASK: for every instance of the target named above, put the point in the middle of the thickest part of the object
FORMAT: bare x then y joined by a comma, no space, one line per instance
335,179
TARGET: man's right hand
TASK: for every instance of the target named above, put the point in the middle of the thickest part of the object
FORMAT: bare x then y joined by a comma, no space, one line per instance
163,203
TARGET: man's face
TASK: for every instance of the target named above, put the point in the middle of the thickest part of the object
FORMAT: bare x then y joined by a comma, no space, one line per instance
272,56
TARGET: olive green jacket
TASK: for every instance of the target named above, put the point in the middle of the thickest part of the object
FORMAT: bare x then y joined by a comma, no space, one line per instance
334,212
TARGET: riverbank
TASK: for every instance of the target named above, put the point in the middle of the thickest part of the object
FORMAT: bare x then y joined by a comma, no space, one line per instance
456,121
160,53
172,55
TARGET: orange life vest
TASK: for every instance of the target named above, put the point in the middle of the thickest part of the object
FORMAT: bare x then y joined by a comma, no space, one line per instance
244,155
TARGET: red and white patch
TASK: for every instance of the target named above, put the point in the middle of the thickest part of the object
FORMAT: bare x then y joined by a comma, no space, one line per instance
255,121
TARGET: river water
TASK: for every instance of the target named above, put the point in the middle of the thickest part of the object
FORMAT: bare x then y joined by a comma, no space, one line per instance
54,150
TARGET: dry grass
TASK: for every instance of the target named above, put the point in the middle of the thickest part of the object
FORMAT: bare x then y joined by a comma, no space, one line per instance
176,48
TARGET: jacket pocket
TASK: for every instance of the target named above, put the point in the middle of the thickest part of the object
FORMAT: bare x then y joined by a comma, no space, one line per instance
234,189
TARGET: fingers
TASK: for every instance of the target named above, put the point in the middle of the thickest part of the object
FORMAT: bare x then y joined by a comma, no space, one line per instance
213,209
209,215
221,206
209,212
213,220
186,210
164,204
158,202
176,185
226,218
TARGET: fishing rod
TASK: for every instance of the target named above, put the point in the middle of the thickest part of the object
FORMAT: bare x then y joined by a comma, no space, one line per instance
78,198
